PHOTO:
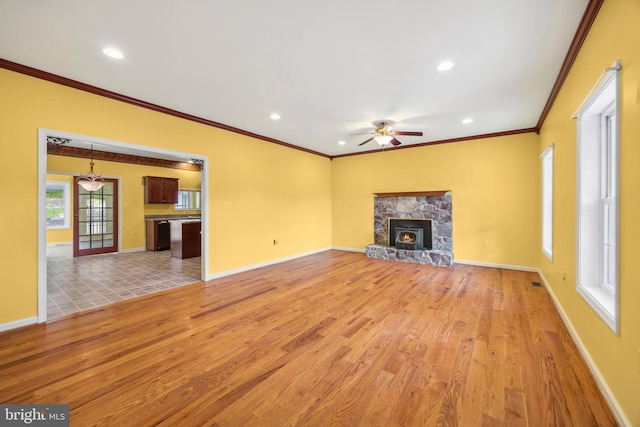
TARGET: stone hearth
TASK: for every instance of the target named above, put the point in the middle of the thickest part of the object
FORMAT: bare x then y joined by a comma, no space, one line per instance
423,205
429,257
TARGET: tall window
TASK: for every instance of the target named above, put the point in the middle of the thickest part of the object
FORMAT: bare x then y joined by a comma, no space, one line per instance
598,197
547,201
58,205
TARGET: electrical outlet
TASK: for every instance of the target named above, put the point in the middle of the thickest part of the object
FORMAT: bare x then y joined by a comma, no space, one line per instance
564,276
485,243
275,242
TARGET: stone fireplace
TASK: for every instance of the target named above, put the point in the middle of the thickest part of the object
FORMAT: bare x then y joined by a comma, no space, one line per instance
413,227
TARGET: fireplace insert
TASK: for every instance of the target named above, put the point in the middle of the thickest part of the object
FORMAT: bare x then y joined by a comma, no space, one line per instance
409,238
416,234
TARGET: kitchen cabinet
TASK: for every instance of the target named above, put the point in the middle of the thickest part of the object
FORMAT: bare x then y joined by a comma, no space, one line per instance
158,235
185,238
160,190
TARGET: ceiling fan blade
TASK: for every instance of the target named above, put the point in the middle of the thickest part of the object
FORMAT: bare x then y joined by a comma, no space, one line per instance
395,142
365,142
408,133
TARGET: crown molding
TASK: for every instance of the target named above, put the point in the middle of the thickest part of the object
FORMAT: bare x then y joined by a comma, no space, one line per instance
442,141
54,78
581,34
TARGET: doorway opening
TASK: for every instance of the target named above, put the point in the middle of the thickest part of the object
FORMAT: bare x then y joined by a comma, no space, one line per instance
98,235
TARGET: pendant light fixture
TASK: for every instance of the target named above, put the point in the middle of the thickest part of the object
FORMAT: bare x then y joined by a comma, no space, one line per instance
91,181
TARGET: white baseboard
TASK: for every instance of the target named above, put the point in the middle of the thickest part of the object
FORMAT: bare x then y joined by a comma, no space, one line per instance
126,251
458,261
617,411
60,243
18,323
493,265
261,264
345,248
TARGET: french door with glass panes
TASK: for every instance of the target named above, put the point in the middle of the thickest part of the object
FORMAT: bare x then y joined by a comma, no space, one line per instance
95,225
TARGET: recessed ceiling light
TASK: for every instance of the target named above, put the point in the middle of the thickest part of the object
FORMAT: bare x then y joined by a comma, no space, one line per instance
341,142
444,66
467,120
275,116
113,53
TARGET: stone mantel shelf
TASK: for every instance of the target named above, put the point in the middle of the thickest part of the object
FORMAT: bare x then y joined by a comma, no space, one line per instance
413,193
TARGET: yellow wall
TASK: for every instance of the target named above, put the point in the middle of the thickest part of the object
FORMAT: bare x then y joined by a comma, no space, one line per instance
615,35
494,187
133,208
267,184
264,192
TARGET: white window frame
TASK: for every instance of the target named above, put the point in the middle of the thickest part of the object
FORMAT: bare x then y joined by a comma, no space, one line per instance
66,197
547,202
598,202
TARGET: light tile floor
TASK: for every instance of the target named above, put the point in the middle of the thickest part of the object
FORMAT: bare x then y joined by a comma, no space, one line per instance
77,284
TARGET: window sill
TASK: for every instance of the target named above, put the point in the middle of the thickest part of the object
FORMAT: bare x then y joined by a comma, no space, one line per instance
602,302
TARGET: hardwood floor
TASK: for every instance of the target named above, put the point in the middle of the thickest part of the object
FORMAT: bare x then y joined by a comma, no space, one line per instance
329,339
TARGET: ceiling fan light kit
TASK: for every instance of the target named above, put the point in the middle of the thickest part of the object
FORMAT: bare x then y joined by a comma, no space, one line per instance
383,139
385,134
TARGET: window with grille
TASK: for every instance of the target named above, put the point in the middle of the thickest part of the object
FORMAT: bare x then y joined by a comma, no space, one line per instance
598,184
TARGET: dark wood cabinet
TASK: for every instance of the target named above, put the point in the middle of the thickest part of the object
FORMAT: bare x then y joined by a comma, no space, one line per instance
158,235
160,190
185,239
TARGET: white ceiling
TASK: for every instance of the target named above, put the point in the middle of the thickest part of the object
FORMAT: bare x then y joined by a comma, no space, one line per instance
329,68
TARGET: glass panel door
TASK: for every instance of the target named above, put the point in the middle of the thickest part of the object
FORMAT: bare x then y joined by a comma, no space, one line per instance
95,225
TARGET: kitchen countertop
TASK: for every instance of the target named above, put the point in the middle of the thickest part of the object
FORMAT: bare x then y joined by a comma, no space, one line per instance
171,217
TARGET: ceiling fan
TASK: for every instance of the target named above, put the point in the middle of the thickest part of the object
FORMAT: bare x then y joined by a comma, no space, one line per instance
384,134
